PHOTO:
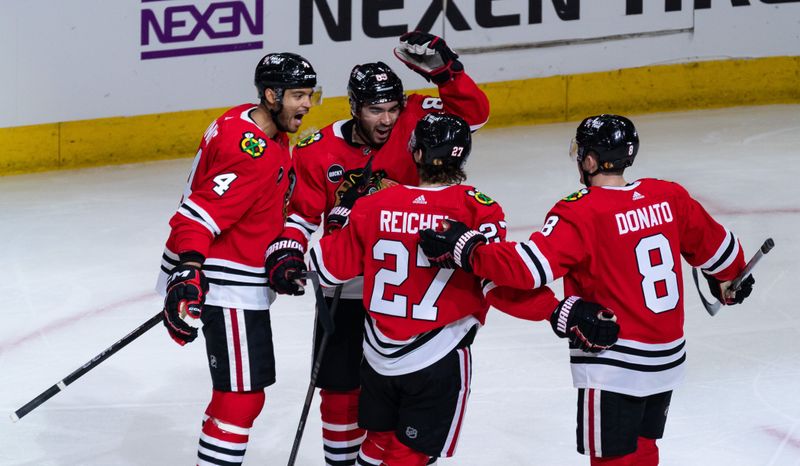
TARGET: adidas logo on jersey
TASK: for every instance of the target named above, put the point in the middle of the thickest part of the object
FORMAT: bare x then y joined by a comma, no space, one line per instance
420,200
637,196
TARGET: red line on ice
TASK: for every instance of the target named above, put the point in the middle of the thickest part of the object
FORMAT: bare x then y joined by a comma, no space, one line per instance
65,322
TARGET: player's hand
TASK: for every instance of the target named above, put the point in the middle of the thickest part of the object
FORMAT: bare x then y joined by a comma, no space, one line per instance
589,326
723,292
452,246
186,294
285,267
429,56
338,216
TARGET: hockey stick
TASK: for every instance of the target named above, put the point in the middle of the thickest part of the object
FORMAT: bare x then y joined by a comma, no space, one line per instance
91,364
714,307
323,314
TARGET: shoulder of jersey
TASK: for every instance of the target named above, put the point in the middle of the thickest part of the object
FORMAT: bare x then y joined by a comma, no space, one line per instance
577,196
474,196
320,140
238,135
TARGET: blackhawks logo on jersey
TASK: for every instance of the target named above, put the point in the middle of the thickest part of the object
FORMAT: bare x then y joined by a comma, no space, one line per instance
252,146
480,197
576,195
308,140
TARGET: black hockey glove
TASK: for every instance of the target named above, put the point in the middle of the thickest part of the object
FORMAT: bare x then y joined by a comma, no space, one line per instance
589,326
720,290
186,293
285,267
429,56
338,216
452,247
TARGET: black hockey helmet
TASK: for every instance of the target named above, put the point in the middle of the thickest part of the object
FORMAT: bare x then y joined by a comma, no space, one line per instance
284,70
445,140
612,137
373,83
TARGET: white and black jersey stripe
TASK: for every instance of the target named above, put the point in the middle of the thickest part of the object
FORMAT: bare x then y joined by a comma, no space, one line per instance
299,223
351,289
230,284
631,367
316,263
396,357
724,256
536,262
487,286
191,210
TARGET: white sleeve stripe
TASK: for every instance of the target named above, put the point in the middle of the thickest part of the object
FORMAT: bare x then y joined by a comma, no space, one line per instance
729,257
190,216
488,287
717,257
474,128
299,228
311,227
319,265
548,271
527,259
193,207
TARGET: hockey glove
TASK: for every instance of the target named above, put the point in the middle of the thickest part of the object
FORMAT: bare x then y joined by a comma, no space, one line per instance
285,267
186,293
452,247
429,56
723,293
338,216
589,326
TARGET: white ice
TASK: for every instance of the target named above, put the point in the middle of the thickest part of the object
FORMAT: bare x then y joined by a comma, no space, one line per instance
80,252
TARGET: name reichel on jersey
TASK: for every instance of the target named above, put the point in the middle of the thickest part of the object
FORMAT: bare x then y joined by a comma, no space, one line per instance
416,313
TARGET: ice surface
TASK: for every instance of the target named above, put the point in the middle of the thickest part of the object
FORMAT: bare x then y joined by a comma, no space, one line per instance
81,250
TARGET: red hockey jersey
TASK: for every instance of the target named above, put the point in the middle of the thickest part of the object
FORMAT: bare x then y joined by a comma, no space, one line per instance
233,206
417,313
621,247
327,161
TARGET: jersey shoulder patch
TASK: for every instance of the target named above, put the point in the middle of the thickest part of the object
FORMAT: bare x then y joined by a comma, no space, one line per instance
479,197
577,195
252,145
310,139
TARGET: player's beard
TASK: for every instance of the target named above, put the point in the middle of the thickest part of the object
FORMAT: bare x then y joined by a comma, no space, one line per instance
367,136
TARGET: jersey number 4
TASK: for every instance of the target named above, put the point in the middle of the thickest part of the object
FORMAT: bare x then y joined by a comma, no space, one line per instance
396,306
657,268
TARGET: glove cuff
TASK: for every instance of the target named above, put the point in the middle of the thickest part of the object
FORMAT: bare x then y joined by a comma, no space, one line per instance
447,73
561,316
464,246
191,256
284,243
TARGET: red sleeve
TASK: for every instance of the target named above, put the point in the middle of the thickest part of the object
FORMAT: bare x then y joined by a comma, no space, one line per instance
704,242
546,256
535,304
308,199
464,98
339,257
221,191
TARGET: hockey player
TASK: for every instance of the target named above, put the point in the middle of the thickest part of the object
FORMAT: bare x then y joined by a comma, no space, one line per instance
331,174
619,244
212,269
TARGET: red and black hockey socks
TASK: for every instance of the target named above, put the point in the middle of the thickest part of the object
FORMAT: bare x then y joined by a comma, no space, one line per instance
341,436
226,427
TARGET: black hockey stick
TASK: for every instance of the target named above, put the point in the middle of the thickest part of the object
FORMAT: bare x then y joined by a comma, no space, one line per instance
714,307
91,364
325,317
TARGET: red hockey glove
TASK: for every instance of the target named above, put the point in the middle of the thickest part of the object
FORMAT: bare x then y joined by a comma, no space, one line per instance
285,267
589,326
723,293
429,56
186,294
452,247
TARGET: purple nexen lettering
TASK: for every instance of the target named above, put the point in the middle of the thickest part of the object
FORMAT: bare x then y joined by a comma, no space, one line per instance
177,25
